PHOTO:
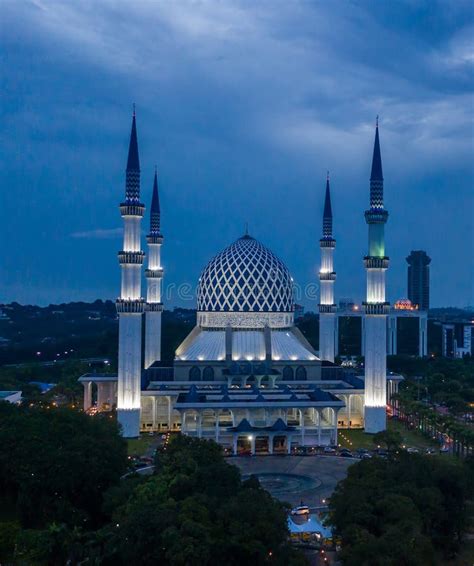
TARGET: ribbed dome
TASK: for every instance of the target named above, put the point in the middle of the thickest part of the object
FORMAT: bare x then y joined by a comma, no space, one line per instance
245,277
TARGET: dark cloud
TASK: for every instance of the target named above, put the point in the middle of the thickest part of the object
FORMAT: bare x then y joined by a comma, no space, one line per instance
243,108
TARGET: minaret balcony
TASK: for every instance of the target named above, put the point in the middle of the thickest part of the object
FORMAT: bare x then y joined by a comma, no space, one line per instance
154,239
376,308
132,258
154,273
130,306
376,216
327,276
327,309
154,307
327,243
132,209
372,262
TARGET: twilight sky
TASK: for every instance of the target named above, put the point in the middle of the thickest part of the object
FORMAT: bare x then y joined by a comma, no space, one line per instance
243,107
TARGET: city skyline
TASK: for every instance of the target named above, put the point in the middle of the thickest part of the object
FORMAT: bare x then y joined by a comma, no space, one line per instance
233,143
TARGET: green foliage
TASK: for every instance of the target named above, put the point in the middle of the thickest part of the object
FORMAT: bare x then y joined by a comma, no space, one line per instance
392,439
55,464
196,510
401,510
8,533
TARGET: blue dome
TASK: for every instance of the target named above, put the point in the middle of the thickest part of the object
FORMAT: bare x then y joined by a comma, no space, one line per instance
245,277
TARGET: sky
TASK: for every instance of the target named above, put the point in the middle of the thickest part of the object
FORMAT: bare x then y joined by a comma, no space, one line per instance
242,107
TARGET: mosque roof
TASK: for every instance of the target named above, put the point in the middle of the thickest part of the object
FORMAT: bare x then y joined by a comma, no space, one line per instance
245,277
246,345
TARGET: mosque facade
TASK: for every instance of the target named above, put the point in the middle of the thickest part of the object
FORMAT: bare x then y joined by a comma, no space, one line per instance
245,376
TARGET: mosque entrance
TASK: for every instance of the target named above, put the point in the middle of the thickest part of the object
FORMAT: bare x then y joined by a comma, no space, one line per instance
280,445
243,445
261,445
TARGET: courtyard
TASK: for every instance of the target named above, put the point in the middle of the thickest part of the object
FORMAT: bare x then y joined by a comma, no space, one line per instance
293,479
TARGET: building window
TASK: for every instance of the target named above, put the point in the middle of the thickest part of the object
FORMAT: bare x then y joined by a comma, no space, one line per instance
208,374
288,373
194,374
301,373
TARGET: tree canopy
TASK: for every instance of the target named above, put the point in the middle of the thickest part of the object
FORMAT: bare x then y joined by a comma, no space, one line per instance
197,510
401,510
55,464
61,469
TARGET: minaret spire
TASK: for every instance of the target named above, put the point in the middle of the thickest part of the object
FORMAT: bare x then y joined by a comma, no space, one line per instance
327,278
132,175
376,175
327,215
155,209
154,278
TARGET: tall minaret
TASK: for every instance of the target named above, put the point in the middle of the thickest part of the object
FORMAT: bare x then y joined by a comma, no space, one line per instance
376,308
327,277
154,276
130,305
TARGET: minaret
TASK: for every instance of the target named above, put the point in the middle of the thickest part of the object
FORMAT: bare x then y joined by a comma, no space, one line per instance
130,305
376,307
327,277
154,276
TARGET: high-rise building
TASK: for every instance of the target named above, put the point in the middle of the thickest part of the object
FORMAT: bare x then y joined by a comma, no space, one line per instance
419,279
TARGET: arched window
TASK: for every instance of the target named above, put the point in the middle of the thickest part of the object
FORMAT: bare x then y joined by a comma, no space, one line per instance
208,374
301,373
288,373
194,374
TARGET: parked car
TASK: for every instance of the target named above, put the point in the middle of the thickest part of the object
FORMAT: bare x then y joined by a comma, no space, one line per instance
363,453
346,454
430,451
412,450
381,452
444,449
329,450
300,510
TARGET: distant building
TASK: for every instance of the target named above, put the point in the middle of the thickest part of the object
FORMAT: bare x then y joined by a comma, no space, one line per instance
457,340
419,279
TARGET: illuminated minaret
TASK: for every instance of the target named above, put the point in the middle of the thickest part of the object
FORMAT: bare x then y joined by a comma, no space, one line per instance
327,277
154,276
130,305
376,308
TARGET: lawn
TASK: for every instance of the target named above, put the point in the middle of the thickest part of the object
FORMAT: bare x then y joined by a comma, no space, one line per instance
356,438
140,446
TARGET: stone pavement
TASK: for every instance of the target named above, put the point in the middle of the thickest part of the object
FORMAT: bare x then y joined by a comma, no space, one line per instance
328,470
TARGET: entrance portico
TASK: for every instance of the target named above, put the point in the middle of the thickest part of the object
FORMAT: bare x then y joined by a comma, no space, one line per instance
248,435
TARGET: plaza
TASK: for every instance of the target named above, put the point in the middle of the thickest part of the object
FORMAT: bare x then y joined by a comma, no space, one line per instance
324,471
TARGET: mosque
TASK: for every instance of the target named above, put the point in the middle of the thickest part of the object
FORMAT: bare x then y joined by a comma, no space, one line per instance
245,376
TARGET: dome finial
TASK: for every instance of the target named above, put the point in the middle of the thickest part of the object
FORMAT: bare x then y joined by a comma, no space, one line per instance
246,228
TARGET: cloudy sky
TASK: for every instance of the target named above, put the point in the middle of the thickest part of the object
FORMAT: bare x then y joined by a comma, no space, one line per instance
243,106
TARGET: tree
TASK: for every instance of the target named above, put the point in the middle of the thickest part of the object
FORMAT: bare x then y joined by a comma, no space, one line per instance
55,464
402,510
392,439
196,510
